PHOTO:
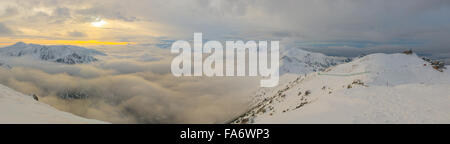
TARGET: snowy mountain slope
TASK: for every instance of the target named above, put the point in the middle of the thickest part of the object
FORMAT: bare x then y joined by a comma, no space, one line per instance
19,108
294,62
61,54
298,61
378,88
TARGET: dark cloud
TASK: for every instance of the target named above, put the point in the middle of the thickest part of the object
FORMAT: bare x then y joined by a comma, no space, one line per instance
9,12
76,34
62,12
108,11
4,30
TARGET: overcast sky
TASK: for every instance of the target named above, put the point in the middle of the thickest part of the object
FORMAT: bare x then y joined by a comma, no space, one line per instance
336,27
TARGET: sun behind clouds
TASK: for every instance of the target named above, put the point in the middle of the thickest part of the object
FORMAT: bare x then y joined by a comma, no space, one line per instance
99,23
65,42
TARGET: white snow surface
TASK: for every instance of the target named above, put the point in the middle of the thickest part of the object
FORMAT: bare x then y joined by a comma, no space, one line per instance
17,108
378,88
298,61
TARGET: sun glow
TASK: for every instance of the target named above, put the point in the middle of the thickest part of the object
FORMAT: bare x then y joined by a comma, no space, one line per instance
100,23
64,42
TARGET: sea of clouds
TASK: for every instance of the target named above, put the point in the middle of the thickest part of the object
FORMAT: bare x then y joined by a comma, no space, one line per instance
132,84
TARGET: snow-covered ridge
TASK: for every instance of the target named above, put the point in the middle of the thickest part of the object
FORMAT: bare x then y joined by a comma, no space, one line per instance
18,108
58,53
378,88
298,61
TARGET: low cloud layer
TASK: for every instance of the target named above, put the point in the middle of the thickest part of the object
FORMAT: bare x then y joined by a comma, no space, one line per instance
126,90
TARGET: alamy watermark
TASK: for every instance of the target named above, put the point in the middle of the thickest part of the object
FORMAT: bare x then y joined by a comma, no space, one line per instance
223,62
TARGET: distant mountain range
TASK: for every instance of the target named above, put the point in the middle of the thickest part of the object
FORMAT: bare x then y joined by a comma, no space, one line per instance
65,54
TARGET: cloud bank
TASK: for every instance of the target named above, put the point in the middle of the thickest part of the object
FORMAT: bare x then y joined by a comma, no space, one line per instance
124,89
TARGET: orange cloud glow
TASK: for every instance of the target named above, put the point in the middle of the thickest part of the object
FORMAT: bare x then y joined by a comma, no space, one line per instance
65,42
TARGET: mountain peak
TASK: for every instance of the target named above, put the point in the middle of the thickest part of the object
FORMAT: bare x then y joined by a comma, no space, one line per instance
299,61
20,44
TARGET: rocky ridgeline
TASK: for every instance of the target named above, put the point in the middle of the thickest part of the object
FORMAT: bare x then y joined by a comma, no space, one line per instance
65,54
